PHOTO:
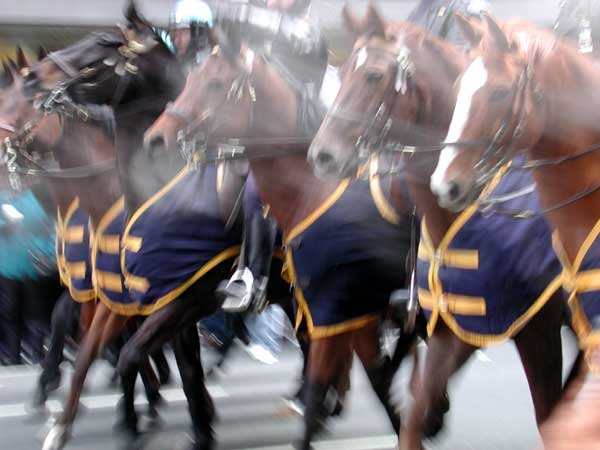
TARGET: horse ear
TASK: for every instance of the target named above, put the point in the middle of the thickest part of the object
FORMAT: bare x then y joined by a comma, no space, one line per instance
13,66
135,20
352,23
469,30
22,62
42,53
375,22
494,34
8,77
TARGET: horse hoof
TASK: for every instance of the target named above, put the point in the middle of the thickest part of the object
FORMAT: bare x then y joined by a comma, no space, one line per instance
433,426
57,438
201,442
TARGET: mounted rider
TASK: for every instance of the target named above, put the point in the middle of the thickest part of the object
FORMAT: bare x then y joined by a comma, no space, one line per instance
299,52
190,22
580,20
437,17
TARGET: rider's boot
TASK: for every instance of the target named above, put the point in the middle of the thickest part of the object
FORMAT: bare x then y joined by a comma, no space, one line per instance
248,285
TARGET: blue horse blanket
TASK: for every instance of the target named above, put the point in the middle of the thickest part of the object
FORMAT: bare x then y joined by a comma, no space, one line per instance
345,259
73,252
174,239
581,283
491,273
106,254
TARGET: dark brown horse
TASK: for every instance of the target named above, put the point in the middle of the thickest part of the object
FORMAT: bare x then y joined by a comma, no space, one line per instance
83,178
237,93
528,90
399,81
133,70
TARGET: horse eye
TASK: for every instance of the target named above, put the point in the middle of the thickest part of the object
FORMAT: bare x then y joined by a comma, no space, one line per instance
499,94
373,77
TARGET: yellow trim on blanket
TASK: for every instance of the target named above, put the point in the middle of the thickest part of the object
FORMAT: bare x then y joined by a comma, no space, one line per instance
312,217
110,244
320,332
79,296
76,269
464,305
109,280
82,296
386,210
133,244
137,283
74,234
576,282
484,340
145,310
455,258
465,259
111,214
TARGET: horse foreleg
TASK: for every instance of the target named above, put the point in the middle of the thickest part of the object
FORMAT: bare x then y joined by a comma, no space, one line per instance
186,346
105,327
378,367
49,380
328,358
445,355
540,348
573,424
86,316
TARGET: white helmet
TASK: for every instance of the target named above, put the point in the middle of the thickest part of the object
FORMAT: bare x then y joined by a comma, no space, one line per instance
187,13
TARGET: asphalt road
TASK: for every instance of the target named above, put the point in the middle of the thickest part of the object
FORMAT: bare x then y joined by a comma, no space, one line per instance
490,409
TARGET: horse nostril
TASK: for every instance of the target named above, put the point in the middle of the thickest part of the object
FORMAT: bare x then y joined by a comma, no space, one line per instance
454,191
156,143
324,158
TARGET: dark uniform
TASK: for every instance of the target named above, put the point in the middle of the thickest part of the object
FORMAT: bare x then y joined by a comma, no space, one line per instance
298,51
580,20
437,17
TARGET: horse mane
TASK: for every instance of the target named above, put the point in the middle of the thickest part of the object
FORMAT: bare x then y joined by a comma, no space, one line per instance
544,48
419,38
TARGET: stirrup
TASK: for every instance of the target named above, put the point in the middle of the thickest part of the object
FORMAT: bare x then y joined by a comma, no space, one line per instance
260,295
238,298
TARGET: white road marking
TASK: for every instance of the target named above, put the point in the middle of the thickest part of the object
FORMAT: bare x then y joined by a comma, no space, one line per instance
106,401
366,443
18,371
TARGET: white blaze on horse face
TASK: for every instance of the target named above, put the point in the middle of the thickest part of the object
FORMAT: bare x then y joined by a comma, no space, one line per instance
361,58
472,81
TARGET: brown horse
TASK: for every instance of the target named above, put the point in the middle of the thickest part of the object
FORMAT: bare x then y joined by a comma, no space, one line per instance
133,70
237,93
96,190
400,78
527,90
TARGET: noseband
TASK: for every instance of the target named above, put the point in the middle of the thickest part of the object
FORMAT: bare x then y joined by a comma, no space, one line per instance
500,149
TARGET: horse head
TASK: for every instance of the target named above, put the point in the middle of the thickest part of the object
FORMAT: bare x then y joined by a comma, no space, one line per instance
396,88
235,93
496,113
26,135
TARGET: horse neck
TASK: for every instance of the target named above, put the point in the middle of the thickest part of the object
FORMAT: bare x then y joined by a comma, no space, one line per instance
286,183
572,100
79,147
136,170
437,67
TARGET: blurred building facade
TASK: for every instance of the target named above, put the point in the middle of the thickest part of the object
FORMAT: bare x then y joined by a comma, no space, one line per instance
57,23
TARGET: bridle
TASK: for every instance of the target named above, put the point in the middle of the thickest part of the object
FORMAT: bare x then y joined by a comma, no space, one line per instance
59,101
501,148
194,141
